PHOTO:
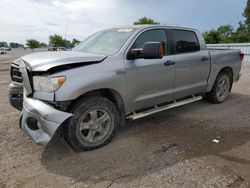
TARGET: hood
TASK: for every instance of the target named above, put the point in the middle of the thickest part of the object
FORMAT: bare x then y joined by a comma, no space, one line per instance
44,61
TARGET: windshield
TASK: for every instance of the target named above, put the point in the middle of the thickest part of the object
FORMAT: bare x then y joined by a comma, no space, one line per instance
106,42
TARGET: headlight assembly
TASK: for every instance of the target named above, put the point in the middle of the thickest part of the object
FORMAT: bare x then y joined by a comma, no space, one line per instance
47,84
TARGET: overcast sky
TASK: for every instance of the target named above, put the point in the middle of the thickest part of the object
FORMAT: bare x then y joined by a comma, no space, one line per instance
22,19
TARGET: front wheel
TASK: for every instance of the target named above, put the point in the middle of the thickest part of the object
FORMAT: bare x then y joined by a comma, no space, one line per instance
220,89
94,123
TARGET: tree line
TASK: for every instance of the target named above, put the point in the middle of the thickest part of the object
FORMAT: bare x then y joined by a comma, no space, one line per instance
54,41
11,45
223,34
227,34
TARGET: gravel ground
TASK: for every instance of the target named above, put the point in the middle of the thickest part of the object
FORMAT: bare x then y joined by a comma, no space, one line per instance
170,149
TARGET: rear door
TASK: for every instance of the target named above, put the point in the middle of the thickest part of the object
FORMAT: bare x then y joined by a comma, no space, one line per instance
192,63
150,81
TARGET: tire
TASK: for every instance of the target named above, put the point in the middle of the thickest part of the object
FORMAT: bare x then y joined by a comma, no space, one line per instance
93,125
221,88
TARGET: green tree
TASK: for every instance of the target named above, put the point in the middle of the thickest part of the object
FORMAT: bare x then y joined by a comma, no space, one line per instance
57,41
67,44
74,42
145,20
3,44
242,27
241,35
212,37
32,43
44,45
15,45
225,32
246,14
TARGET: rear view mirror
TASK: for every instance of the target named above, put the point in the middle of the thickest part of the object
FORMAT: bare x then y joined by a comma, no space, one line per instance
152,50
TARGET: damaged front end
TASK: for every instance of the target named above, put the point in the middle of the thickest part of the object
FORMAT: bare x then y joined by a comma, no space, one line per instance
39,120
33,90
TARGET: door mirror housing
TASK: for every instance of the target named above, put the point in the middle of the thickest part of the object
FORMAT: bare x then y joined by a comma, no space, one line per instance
151,50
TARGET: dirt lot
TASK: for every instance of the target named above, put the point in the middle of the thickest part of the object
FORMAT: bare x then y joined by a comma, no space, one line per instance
169,149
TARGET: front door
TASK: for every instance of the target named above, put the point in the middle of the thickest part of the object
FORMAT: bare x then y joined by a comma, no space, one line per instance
150,81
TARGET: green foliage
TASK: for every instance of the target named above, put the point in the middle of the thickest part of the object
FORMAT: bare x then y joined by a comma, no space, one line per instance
145,20
223,34
3,44
74,42
212,37
57,41
242,27
246,14
43,45
227,34
15,45
241,37
32,43
67,44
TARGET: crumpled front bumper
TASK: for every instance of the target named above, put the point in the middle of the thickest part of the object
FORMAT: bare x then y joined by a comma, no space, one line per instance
40,121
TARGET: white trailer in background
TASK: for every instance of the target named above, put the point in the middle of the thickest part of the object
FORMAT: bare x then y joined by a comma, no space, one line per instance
244,47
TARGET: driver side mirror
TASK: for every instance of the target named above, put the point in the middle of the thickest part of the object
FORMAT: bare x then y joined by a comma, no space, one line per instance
151,50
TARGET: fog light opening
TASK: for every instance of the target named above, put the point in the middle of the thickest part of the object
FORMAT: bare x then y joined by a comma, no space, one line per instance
39,125
33,124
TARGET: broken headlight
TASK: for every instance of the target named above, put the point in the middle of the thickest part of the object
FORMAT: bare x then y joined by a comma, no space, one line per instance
47,84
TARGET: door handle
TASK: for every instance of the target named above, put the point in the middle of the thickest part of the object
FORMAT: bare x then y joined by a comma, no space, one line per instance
169,63
204,58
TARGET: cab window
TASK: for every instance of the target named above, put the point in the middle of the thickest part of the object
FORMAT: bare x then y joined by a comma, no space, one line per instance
184,41
157,35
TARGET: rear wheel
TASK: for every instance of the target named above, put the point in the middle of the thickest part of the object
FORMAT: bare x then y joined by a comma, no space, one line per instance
220,89
94,123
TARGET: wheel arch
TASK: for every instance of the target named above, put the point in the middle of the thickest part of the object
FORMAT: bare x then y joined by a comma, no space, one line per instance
111,94
228,70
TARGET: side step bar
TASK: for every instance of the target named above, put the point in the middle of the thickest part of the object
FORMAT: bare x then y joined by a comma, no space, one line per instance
135,116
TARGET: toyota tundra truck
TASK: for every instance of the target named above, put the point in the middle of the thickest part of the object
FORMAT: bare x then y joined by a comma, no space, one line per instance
116,74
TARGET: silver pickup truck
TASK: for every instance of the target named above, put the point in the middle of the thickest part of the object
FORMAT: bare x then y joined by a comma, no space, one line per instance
117,74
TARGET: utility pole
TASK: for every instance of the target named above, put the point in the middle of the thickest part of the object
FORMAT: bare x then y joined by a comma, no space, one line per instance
66,29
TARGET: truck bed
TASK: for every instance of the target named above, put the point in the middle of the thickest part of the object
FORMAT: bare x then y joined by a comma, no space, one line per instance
220,58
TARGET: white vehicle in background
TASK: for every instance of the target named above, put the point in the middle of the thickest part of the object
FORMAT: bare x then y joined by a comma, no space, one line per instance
2,51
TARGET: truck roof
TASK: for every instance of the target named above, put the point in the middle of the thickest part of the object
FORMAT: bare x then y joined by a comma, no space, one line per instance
151,26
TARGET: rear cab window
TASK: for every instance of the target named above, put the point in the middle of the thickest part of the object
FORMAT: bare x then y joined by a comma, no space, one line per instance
183,41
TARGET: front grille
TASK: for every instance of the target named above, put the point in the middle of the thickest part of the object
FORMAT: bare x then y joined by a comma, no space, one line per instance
16,74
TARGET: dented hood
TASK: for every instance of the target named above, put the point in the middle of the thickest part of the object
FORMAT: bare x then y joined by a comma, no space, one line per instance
44,61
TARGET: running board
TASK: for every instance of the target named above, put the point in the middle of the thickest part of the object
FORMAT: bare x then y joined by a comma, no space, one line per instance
157,109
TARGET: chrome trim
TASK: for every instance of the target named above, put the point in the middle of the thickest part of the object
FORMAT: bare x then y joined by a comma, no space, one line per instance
162,108
25,76
16,74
